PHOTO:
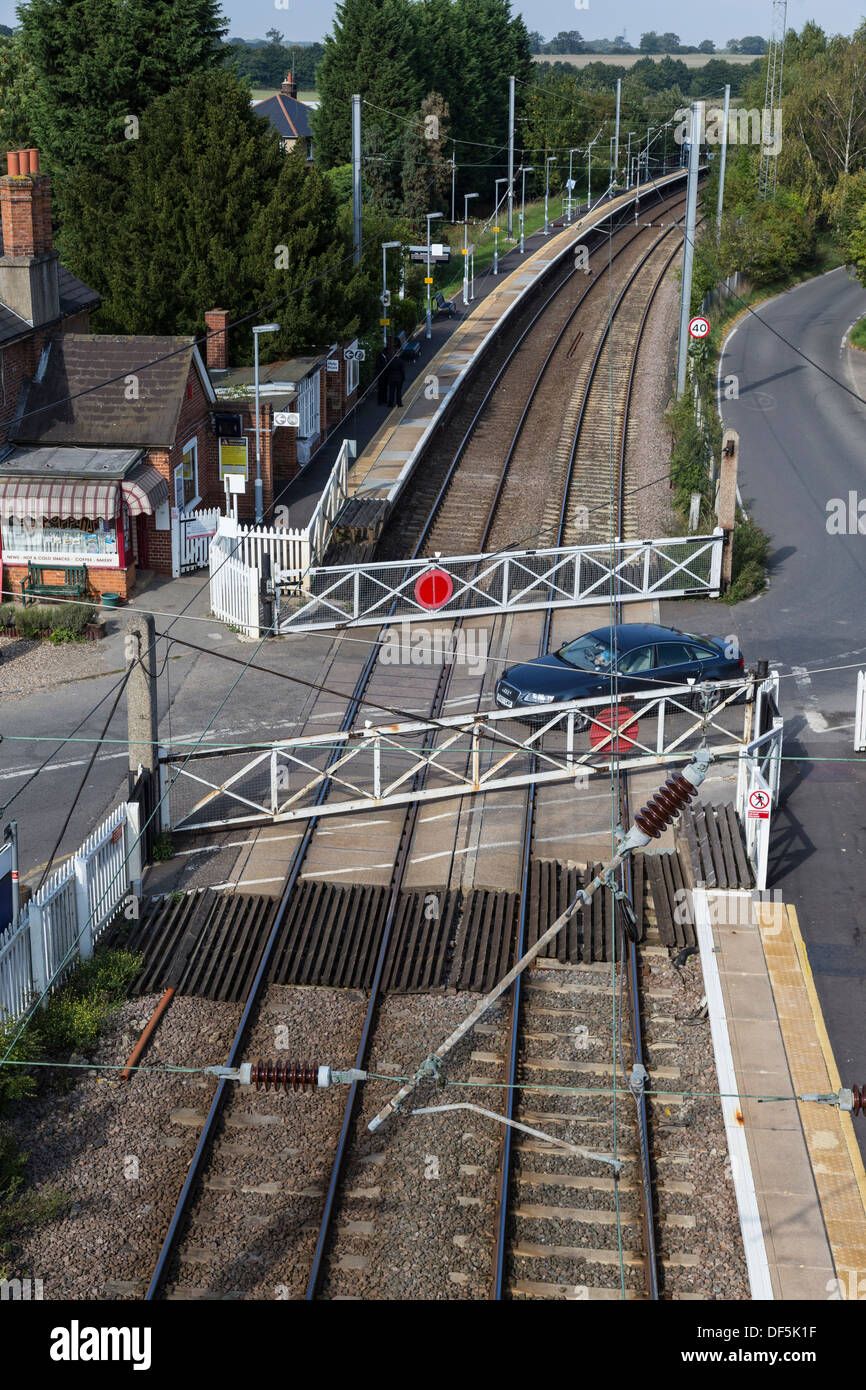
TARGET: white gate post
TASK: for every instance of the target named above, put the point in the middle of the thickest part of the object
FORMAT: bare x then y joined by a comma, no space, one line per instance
83,921
716,560
134,865
38,963
860,714
175,543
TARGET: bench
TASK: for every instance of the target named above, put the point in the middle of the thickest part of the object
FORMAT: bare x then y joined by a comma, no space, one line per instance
74,581
445,306
410,350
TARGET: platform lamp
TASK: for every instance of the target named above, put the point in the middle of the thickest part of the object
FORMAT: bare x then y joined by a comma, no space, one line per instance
466,198
386,247
524,170
431,216
551,159
496,227
261,328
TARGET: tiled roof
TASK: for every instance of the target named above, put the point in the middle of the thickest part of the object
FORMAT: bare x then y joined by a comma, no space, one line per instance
81,393
290,118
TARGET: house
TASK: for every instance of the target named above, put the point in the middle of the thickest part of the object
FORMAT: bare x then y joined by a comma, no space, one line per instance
319,388
112,442
38,296
289,117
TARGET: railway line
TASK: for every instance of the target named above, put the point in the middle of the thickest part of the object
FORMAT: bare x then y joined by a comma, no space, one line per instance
325,1215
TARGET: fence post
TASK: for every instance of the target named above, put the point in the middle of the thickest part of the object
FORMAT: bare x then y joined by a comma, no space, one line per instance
83,921
38,963
860,714
741,783
253,582
716,560
163,800
134,858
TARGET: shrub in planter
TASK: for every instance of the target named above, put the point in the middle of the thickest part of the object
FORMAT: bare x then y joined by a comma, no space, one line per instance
35,622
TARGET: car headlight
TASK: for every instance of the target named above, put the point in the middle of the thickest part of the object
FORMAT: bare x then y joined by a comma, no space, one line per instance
533,699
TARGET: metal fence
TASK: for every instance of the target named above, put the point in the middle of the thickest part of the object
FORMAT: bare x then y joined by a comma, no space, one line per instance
459,755
70,912
509,581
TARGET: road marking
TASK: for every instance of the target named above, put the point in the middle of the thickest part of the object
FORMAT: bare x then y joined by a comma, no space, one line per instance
814,718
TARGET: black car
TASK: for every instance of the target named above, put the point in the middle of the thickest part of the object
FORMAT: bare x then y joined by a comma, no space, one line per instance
641,655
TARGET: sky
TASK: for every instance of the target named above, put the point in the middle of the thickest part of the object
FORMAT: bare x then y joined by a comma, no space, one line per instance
310,19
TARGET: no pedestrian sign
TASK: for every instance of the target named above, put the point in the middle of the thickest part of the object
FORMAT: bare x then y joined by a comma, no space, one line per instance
699,327
759,805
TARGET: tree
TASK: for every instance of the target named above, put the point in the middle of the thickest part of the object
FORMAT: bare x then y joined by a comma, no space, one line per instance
95,64
426,173
566,41
16,82
706,46
372,51
536,41
255,225
650,42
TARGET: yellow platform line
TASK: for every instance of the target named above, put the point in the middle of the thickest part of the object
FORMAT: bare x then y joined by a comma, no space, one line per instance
840,1178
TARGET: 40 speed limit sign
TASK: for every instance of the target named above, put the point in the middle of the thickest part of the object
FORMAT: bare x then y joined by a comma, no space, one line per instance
699,327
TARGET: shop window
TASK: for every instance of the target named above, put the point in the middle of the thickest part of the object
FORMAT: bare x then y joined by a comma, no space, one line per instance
65,539
309,406
186,478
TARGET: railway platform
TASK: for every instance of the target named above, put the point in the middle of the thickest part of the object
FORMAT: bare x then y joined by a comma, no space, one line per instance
383,467
796,1166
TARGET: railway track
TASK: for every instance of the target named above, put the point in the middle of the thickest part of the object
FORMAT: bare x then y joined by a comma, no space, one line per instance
291,1208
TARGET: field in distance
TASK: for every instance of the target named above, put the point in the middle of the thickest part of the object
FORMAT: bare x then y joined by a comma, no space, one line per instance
628,60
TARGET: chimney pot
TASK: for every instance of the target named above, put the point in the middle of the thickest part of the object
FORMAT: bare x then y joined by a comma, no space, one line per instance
34,161
13,159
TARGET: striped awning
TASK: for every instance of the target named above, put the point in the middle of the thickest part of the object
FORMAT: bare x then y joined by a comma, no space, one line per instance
144,490
34,497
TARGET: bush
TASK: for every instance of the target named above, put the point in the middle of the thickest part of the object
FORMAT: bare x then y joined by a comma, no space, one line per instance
749,561
16,1081
66,624
74,1017
34,622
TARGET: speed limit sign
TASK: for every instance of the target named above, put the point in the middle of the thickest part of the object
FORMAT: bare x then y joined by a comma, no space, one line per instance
699,327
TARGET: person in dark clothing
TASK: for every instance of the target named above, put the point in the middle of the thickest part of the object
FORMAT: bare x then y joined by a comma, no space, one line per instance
396,375
382,378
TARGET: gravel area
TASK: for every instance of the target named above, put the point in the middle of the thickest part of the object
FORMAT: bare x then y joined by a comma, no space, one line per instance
39,665
649,511
112,1147
690,1143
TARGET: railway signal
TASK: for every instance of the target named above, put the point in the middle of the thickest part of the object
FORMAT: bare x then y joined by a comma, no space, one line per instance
434,588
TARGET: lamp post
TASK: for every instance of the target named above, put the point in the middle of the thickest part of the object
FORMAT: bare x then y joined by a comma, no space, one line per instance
589,171
649,131
496,227
665,157
551,159
386,247
261,328
524,169
430,218
466,198
628,161
571,153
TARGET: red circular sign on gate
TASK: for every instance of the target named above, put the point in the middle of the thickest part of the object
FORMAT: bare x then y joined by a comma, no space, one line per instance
600,732
434,588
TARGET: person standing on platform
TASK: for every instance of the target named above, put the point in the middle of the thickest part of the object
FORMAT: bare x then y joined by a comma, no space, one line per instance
396,376
382,377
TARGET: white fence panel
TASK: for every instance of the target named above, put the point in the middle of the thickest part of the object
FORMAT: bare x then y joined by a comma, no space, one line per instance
234,589
70,911
16,977
860,714
287,549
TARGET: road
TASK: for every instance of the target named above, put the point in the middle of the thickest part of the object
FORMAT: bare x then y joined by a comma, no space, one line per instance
802,426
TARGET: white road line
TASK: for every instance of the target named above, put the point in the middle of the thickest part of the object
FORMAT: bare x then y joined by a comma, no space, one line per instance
814,718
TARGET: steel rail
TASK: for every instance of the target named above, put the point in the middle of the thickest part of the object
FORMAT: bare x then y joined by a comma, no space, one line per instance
497,1289
293,873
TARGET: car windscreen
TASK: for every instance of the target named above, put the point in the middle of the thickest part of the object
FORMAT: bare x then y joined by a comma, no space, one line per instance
586,654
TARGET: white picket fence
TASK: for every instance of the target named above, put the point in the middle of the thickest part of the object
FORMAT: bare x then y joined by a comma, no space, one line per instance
234,588
860,714
70,912
759,774
237,551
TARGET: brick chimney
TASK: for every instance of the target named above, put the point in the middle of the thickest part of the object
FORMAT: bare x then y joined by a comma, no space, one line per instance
217,323
289,88
28,265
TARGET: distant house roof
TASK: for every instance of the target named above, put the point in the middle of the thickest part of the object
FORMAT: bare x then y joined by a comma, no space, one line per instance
289,117
74,297
81,391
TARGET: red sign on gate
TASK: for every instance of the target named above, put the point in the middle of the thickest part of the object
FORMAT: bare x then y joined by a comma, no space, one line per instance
604,741
434,588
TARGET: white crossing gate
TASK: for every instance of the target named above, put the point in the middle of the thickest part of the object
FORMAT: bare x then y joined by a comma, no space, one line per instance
860,714
235,589
504,582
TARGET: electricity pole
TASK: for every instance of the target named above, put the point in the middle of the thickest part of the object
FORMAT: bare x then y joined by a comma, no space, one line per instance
510,158
616,136
689,246
723,159
140,652
356,178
